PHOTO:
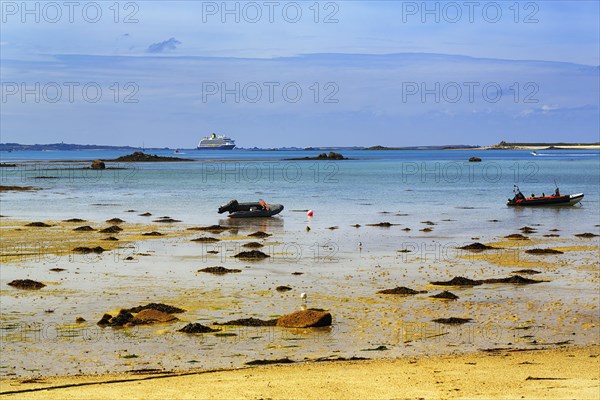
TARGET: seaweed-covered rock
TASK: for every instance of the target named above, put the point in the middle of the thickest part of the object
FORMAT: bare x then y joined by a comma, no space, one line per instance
516,236
270,362
115,221
305,319
526,271
98,164
249,322
259,234
151,316
26,284
543,251
586,235
74,220
474,159
516,279
197,328
477,247
453,320
166,220
445,295
283,288
219,270
401,290
140,156
153,233
159,307
252,245
88,250
457,281
85,228
111,229
38,224
251,255
205,240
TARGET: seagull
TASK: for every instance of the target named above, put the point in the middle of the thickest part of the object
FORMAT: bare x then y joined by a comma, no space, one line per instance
303,297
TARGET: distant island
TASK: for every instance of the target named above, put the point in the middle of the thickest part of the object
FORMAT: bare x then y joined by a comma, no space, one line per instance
544,146
66,146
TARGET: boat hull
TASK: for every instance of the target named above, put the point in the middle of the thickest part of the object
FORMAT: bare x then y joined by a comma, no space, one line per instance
547,201
222,147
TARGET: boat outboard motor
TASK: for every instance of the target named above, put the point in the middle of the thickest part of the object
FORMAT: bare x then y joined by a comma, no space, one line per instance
231,206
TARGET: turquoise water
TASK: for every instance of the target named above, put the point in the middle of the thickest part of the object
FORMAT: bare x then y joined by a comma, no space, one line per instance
342,268
421,183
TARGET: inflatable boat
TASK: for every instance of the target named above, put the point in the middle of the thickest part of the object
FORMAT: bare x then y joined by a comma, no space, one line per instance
556,199
259,209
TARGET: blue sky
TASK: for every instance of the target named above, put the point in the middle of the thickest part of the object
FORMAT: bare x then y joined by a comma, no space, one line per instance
300,73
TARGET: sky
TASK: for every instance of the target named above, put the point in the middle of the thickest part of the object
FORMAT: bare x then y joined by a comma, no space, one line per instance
304,73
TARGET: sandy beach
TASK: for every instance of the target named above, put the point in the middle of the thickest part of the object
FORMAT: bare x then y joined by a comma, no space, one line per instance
564,373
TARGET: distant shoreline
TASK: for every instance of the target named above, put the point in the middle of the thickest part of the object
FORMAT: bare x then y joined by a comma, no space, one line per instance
10,147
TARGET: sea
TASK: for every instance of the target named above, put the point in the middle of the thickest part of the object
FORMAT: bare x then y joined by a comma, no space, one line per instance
434,201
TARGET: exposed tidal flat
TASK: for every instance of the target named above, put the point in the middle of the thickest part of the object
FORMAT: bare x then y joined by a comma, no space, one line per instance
340,266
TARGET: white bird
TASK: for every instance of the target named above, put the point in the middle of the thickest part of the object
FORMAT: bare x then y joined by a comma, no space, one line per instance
303,297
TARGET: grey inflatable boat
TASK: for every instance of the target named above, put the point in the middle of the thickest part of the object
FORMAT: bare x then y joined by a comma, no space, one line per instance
250,210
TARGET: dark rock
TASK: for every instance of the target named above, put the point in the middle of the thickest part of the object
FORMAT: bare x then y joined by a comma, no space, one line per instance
98,164
552,235
268,362
297,273
527,229
205,240
332,228
305,319
457,281
112,238
453,320
146,214
426,230
165,308
38,224
445,295
197,328
85,228
252,245
427,222
474,159
212,252
406,229
80,320
74,220
251,255
543,251
477,247
111,229
26,284
283,288
87,250
57,269
219,270
259,234
356,225
115,221
401,290
124,317
129,258
249,322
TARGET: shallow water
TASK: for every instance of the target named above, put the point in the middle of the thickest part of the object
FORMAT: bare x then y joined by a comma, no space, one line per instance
343,268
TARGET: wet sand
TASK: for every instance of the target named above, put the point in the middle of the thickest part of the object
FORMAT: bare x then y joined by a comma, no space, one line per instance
566,373
41,323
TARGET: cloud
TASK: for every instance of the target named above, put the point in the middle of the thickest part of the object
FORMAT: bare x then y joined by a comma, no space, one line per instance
160,47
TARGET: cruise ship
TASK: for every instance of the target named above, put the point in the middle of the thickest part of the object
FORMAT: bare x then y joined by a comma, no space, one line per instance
216,142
